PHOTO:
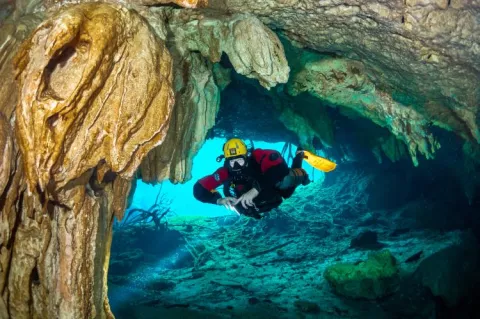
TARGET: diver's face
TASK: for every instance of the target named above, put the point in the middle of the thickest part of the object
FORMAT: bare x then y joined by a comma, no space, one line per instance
237,163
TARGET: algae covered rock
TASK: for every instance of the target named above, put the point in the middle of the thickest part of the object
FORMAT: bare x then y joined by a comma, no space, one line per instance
371,279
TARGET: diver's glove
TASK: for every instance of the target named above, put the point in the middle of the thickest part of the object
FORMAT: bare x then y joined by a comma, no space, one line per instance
228,203
247,198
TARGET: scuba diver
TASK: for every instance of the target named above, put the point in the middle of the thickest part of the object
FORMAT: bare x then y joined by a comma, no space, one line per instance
259,178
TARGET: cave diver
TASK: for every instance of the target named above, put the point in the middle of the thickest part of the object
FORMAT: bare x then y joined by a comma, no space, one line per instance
259,178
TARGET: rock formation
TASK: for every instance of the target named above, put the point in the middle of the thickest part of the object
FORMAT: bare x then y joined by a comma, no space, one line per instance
95,96
198,41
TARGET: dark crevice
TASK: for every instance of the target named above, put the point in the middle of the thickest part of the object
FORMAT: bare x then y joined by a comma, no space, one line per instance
403,19
3,196
448,3
165,5
59,60
34,277
41,195
52,120
225,61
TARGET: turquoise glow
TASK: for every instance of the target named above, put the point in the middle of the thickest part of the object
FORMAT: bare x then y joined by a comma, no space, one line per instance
204,163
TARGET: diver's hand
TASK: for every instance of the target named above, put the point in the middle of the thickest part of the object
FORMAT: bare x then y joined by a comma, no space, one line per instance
247,198
228,203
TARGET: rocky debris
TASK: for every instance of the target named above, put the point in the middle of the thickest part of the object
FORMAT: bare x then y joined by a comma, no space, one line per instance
244,274
366,240
160,284
125,262
306,306
415,257
449,274
410,300
373,278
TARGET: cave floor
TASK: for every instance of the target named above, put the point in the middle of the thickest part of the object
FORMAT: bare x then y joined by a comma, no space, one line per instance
236,267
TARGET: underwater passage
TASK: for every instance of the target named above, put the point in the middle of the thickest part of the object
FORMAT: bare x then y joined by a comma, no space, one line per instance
369,208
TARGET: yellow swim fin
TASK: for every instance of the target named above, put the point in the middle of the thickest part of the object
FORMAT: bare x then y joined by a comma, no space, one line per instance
319,162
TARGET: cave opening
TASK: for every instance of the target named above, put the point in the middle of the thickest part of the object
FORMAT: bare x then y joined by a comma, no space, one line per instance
175,256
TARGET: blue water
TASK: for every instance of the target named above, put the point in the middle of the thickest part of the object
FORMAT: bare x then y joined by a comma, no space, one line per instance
204,163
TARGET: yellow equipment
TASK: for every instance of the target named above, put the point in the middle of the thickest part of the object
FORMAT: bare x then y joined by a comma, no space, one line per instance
319,162
234,147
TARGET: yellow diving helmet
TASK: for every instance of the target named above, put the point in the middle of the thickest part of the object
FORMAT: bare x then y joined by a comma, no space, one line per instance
234,147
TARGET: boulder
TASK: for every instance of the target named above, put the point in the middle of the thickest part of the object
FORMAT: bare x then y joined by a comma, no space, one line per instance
371,279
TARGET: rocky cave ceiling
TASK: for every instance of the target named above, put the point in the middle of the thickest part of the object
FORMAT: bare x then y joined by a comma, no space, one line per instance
93,94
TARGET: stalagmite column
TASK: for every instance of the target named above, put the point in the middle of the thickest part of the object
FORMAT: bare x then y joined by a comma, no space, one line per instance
95,96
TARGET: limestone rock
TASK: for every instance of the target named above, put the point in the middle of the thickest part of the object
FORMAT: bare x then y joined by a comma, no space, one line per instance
6,149
85,114
344,82
424,53
222,76
6,8
12,33
308,118
374,278
197,80
253,49
182,3
91,103
449,272
245,107
197,104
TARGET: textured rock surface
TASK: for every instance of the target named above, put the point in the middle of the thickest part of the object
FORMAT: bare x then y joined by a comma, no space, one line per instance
407,52
6,149
245,107
86,114
253,49
344,83
197,103
373,278
12,33
6,8
182,3
198,40
450,272
92,103
264,269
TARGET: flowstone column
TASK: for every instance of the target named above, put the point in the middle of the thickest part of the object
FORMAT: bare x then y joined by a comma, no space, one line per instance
94,97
